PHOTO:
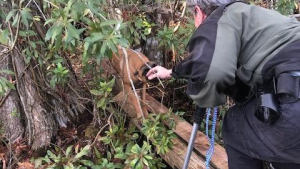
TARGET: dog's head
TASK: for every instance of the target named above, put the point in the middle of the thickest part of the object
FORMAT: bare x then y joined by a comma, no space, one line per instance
143,70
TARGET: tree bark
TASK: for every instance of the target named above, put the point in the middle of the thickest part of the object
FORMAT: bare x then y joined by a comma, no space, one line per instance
40,124
34,110
34,106
10,109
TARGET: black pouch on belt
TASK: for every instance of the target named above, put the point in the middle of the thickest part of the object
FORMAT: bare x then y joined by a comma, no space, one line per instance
266,106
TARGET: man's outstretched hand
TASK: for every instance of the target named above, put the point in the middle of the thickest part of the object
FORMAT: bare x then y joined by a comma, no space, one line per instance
159,72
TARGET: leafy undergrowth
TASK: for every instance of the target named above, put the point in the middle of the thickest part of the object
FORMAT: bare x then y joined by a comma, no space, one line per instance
174,95
111,140
90,146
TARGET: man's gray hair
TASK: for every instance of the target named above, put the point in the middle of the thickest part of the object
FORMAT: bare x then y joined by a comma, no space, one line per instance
208,6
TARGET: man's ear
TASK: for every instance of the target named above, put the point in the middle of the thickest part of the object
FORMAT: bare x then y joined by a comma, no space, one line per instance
199,16
199,13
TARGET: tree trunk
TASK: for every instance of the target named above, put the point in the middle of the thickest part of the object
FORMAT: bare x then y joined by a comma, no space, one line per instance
10,109
34,107
40,125
34,110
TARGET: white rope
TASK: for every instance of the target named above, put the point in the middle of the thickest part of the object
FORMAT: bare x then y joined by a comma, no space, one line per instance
131,82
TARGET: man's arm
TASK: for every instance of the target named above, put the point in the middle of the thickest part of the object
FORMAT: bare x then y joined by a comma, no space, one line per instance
211,65
221,71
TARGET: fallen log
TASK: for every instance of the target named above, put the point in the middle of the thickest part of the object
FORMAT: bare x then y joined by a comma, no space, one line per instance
175,157
183,129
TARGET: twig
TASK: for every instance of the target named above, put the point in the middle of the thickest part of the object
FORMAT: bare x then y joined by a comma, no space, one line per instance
11,33
76,93
27,4
182,14
11,153
51,4
147,105
131,82
40,10
180,87
162,97
3,100
101,17
3,57
16,37
99,132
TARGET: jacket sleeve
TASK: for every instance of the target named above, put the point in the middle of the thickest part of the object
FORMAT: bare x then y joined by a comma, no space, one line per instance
212,64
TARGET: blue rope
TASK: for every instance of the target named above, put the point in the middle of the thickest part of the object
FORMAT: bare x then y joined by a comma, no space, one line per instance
208,110
211,149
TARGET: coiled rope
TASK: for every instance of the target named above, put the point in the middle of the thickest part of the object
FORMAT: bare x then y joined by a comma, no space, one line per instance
211,149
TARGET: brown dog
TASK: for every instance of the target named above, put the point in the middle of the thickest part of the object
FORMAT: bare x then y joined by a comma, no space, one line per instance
139,65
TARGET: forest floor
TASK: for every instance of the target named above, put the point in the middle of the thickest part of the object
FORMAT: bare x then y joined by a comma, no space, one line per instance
84,132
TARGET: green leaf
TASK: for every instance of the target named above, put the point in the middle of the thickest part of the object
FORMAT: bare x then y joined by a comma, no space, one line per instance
87,163
108,53
123,42
46,159
49,33
25,16
7,72
101,103
112,46
73,31
4,37
16,19
135,136
32,44
69,149
85,52
145,162
49,21
96,92
56,32
53,82
22,34
1,90
103,49
98,155
67,9
10,14
51,155
134,162
10,85
148,157
109,156
40,42
38,162
134,149
95,37
121,156
109,22
83,152
161,165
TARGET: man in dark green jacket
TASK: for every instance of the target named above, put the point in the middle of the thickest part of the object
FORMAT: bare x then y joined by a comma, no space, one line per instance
245,51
